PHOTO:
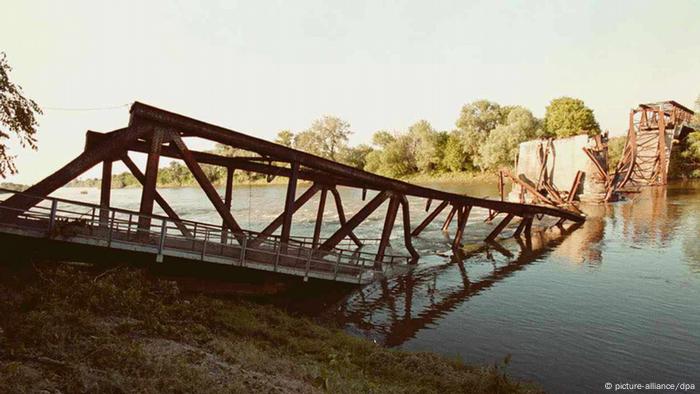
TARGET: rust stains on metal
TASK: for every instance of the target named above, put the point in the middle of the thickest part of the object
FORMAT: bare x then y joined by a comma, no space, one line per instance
160,133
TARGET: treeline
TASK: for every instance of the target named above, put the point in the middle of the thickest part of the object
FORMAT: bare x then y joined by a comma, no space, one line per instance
485,138
177,174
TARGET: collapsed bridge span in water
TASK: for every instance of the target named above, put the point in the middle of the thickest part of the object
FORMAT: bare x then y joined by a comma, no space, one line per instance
160,133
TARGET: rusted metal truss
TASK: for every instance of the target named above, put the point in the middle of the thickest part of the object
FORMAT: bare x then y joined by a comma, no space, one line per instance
160,133
543,191
653,128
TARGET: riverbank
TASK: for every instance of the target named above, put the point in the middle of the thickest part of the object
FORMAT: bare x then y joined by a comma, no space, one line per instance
78,329
419,178
451,177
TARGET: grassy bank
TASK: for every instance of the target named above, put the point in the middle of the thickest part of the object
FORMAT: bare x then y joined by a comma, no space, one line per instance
76,329
452,177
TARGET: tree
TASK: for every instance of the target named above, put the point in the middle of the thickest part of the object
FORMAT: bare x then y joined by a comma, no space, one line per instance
285,137
395,158
567,117
398,158
475,122
482,116
355,157
501,146
425,146
229,151
695,122
503,142
331,134
327,137
382,138
308,141
453,153
17,117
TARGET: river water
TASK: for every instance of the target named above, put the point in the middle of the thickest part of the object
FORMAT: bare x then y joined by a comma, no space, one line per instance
617,300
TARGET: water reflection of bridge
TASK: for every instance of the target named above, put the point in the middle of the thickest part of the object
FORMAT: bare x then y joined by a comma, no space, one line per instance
402,322
395,311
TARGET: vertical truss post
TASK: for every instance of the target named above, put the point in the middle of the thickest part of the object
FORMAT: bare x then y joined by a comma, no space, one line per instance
149,185
528,232
161,242
228,196
501,186
105,192
661,151
341,213
462,218
289,204
407,230
319,218
52,217
386,230
159,199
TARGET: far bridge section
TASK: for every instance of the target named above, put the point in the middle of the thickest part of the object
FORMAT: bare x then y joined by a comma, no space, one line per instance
339,257
653,129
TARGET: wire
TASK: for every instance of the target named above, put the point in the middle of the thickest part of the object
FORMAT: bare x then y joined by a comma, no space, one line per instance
87,109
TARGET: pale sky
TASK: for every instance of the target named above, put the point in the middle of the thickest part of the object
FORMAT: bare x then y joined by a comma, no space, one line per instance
262,66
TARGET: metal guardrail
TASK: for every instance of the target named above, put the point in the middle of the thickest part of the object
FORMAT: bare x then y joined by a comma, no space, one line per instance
120,228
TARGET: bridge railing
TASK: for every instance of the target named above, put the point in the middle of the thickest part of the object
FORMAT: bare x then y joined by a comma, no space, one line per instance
62,218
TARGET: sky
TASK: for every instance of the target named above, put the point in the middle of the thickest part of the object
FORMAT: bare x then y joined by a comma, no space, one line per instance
263,66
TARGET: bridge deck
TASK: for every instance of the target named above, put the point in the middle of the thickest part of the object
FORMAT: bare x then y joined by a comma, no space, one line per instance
112,228
159,133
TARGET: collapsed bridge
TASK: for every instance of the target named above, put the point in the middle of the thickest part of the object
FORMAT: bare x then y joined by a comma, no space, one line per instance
160,133
653,129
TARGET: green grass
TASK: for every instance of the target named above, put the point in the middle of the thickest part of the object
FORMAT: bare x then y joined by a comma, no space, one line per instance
453,177
75,329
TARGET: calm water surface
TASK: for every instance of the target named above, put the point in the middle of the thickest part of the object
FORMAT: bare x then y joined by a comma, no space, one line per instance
617,300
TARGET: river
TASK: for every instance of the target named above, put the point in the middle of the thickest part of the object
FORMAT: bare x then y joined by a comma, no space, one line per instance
617,300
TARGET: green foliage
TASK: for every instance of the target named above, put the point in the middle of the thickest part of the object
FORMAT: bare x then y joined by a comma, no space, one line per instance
689,163
177,174
426,143
486,138
567,117
453,154
308,141
395,159
69,329
475,122
482,116
383,138
615,147
13,186
326,137
285,137
501,146
356,156
17,118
